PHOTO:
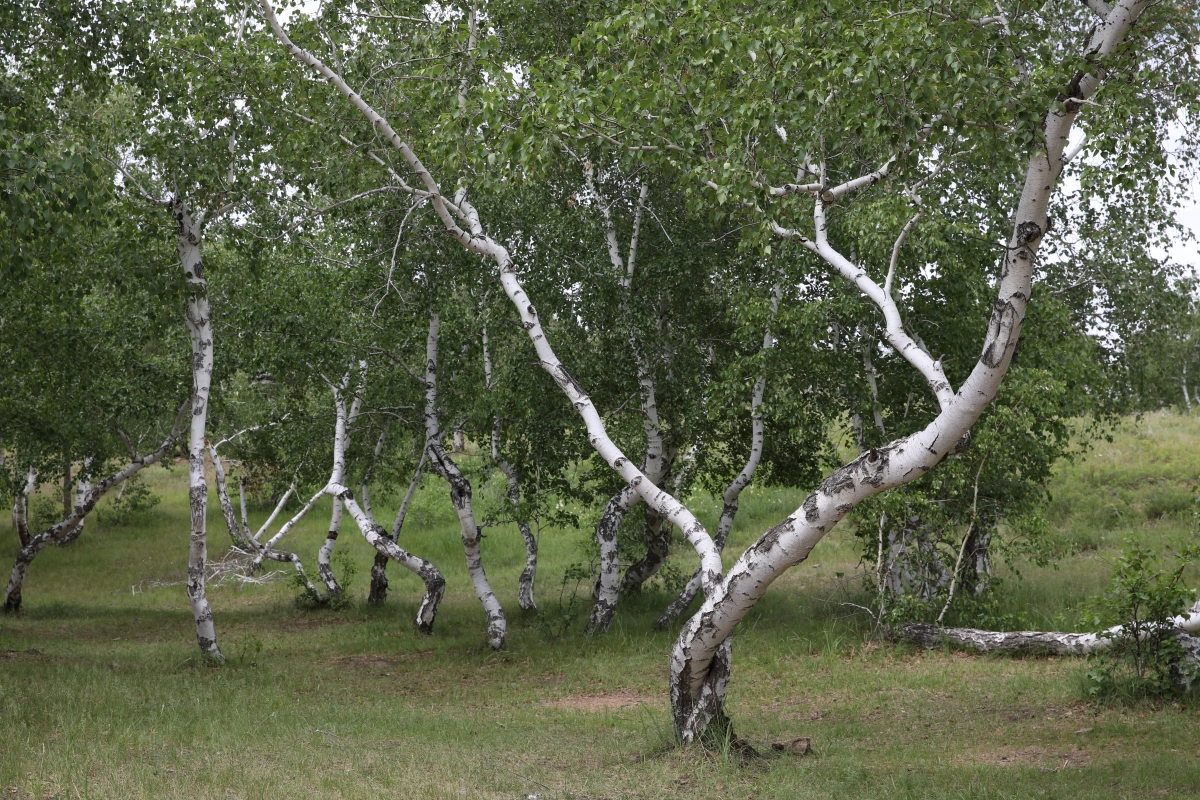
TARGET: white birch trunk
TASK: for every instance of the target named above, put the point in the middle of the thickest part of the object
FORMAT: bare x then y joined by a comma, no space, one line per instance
341,440
231,522
241,536
460,495
26,555
525,582
287,526
1070,644
607,585
199,327
699,672
379,581
376,536
83,485
20,511
730,497
475,240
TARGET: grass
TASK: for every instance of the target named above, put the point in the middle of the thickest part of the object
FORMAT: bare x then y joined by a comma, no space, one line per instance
101,694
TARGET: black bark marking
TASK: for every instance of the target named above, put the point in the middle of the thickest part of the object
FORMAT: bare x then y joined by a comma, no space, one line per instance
1001,324
810,508
840,480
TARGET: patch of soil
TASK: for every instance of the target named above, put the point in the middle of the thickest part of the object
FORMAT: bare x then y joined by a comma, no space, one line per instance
377,661
1033,757
611,701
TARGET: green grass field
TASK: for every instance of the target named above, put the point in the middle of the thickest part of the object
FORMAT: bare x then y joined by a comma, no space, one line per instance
101,693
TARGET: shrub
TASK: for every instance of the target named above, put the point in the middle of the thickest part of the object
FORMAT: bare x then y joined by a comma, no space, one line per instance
1145,658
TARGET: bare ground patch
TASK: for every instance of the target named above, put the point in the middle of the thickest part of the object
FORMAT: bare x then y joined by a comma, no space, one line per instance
609,701
1043,758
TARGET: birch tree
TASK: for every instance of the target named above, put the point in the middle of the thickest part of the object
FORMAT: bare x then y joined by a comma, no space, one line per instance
700,664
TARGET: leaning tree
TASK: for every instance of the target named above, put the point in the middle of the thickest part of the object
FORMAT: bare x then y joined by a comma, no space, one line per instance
783,113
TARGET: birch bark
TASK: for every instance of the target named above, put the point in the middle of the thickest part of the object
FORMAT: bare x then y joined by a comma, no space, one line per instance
241,536
525,582
26,555
1073,644
475,240
379,581
199,325
460,494
699,673
732,494
325,554
20,511
376,536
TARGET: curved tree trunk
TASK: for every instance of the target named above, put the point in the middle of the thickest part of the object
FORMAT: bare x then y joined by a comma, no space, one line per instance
658,547
607,586
733,491
379,581
460,495
25,557
376,536
325,554
83,485
20,511
1069,644
241,536
697,697
525,582
199,327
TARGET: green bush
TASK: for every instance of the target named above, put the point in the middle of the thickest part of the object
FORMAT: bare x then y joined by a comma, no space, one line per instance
1145,658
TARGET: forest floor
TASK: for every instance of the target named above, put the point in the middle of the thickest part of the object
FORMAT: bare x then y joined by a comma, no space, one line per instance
102,695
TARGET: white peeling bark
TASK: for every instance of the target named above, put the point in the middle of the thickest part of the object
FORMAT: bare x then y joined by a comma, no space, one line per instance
287,526
733,492
16,581
475,240
376,536
199,325
460,495
379,581
20,511
525,582
241,536
83,485
607,586
341,440
235,531
699,674
1072,644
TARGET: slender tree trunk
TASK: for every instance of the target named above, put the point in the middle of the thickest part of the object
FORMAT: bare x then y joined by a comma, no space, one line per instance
699,668
235,530
525,582
20,510
655,465
460,495
376,536
82,486
199,325
1187,398
1072,644
66,487
607,586
379,581
241,536
26,555
733,491
325,555
474,239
